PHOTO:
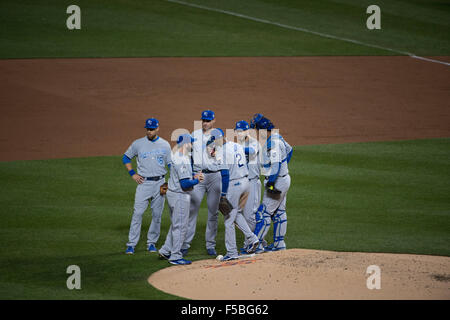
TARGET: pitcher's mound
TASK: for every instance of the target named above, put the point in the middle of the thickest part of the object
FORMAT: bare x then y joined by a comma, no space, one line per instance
309,274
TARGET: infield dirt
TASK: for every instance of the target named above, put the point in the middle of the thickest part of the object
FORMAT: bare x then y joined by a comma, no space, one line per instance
60,108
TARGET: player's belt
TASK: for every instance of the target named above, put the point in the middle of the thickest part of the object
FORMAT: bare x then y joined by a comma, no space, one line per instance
154,178
246,176
208,171
267,178
180,192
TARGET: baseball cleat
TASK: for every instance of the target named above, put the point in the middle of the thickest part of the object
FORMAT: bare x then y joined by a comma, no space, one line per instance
152,248
211,252
268,248
242,251
130,250
228,258
246,256
278,248
252,248
180,262
259,250
163,256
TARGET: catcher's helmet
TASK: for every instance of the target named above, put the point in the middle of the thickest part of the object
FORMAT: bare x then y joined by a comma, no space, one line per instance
254,121
265,123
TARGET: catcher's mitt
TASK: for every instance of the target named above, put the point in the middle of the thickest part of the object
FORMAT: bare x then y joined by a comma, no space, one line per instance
163,188
225,206
270,186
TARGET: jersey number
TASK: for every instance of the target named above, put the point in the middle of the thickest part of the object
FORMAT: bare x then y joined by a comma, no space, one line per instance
238,155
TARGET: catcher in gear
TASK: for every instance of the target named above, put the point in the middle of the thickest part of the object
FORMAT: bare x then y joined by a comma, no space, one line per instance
276,156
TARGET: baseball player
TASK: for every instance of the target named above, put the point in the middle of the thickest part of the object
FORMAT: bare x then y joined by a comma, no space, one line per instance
181,182
214,185
153,154
252,154
232,155
276,156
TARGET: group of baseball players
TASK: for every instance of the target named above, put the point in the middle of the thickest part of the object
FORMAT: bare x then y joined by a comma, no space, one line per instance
227,171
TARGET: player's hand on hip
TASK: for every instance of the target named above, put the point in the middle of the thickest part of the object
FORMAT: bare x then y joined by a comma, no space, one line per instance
199,176
138,178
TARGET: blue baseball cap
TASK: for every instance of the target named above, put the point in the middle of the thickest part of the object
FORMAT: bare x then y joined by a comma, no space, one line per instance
185,138
242,125
208,115
216,133
151,123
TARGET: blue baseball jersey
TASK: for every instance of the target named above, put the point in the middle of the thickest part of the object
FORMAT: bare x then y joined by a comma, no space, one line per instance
152,156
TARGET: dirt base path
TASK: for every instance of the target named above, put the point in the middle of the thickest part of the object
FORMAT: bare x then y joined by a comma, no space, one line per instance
309,274
55,108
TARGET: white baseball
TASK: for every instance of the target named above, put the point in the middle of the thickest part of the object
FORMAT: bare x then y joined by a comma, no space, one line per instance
219,257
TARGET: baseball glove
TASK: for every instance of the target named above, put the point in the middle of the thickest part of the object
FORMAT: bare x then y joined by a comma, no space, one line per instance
270,186
163,188
225,206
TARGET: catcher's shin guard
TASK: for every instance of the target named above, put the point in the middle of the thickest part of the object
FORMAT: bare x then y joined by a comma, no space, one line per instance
262,223
259,218
279,229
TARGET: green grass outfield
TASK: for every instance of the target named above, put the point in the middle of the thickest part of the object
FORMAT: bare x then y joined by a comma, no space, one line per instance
142,28
383,197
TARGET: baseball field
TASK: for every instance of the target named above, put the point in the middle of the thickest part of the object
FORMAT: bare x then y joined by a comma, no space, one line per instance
367,110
